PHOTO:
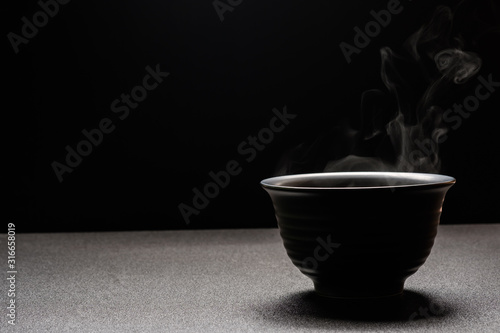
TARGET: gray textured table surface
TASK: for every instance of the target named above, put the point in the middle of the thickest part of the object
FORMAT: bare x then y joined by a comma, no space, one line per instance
236,281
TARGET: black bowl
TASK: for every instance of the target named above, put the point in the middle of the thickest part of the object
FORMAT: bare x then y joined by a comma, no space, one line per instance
358,234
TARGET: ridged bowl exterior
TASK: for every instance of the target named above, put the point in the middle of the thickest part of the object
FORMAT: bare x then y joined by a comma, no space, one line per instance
358,243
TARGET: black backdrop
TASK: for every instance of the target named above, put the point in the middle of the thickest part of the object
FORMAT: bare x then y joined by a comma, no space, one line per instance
225,78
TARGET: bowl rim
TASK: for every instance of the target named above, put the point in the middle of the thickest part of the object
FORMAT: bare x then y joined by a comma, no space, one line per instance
428,180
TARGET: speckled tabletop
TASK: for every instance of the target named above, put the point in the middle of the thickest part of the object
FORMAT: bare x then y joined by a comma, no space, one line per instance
235,281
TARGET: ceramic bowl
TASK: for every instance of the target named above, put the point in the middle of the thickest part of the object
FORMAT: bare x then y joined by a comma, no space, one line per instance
358,234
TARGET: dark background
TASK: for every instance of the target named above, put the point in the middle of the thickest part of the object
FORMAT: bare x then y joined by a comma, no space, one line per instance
225,79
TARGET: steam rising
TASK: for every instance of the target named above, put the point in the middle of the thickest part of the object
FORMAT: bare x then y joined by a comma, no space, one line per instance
457,65
416,140
404,117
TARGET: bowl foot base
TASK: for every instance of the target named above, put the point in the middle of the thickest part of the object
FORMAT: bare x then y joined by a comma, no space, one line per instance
378,291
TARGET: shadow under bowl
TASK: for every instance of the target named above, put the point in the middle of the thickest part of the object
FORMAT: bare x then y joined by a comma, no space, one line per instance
358,234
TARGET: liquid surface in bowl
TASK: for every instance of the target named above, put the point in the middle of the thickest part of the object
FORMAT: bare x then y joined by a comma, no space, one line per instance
356,180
